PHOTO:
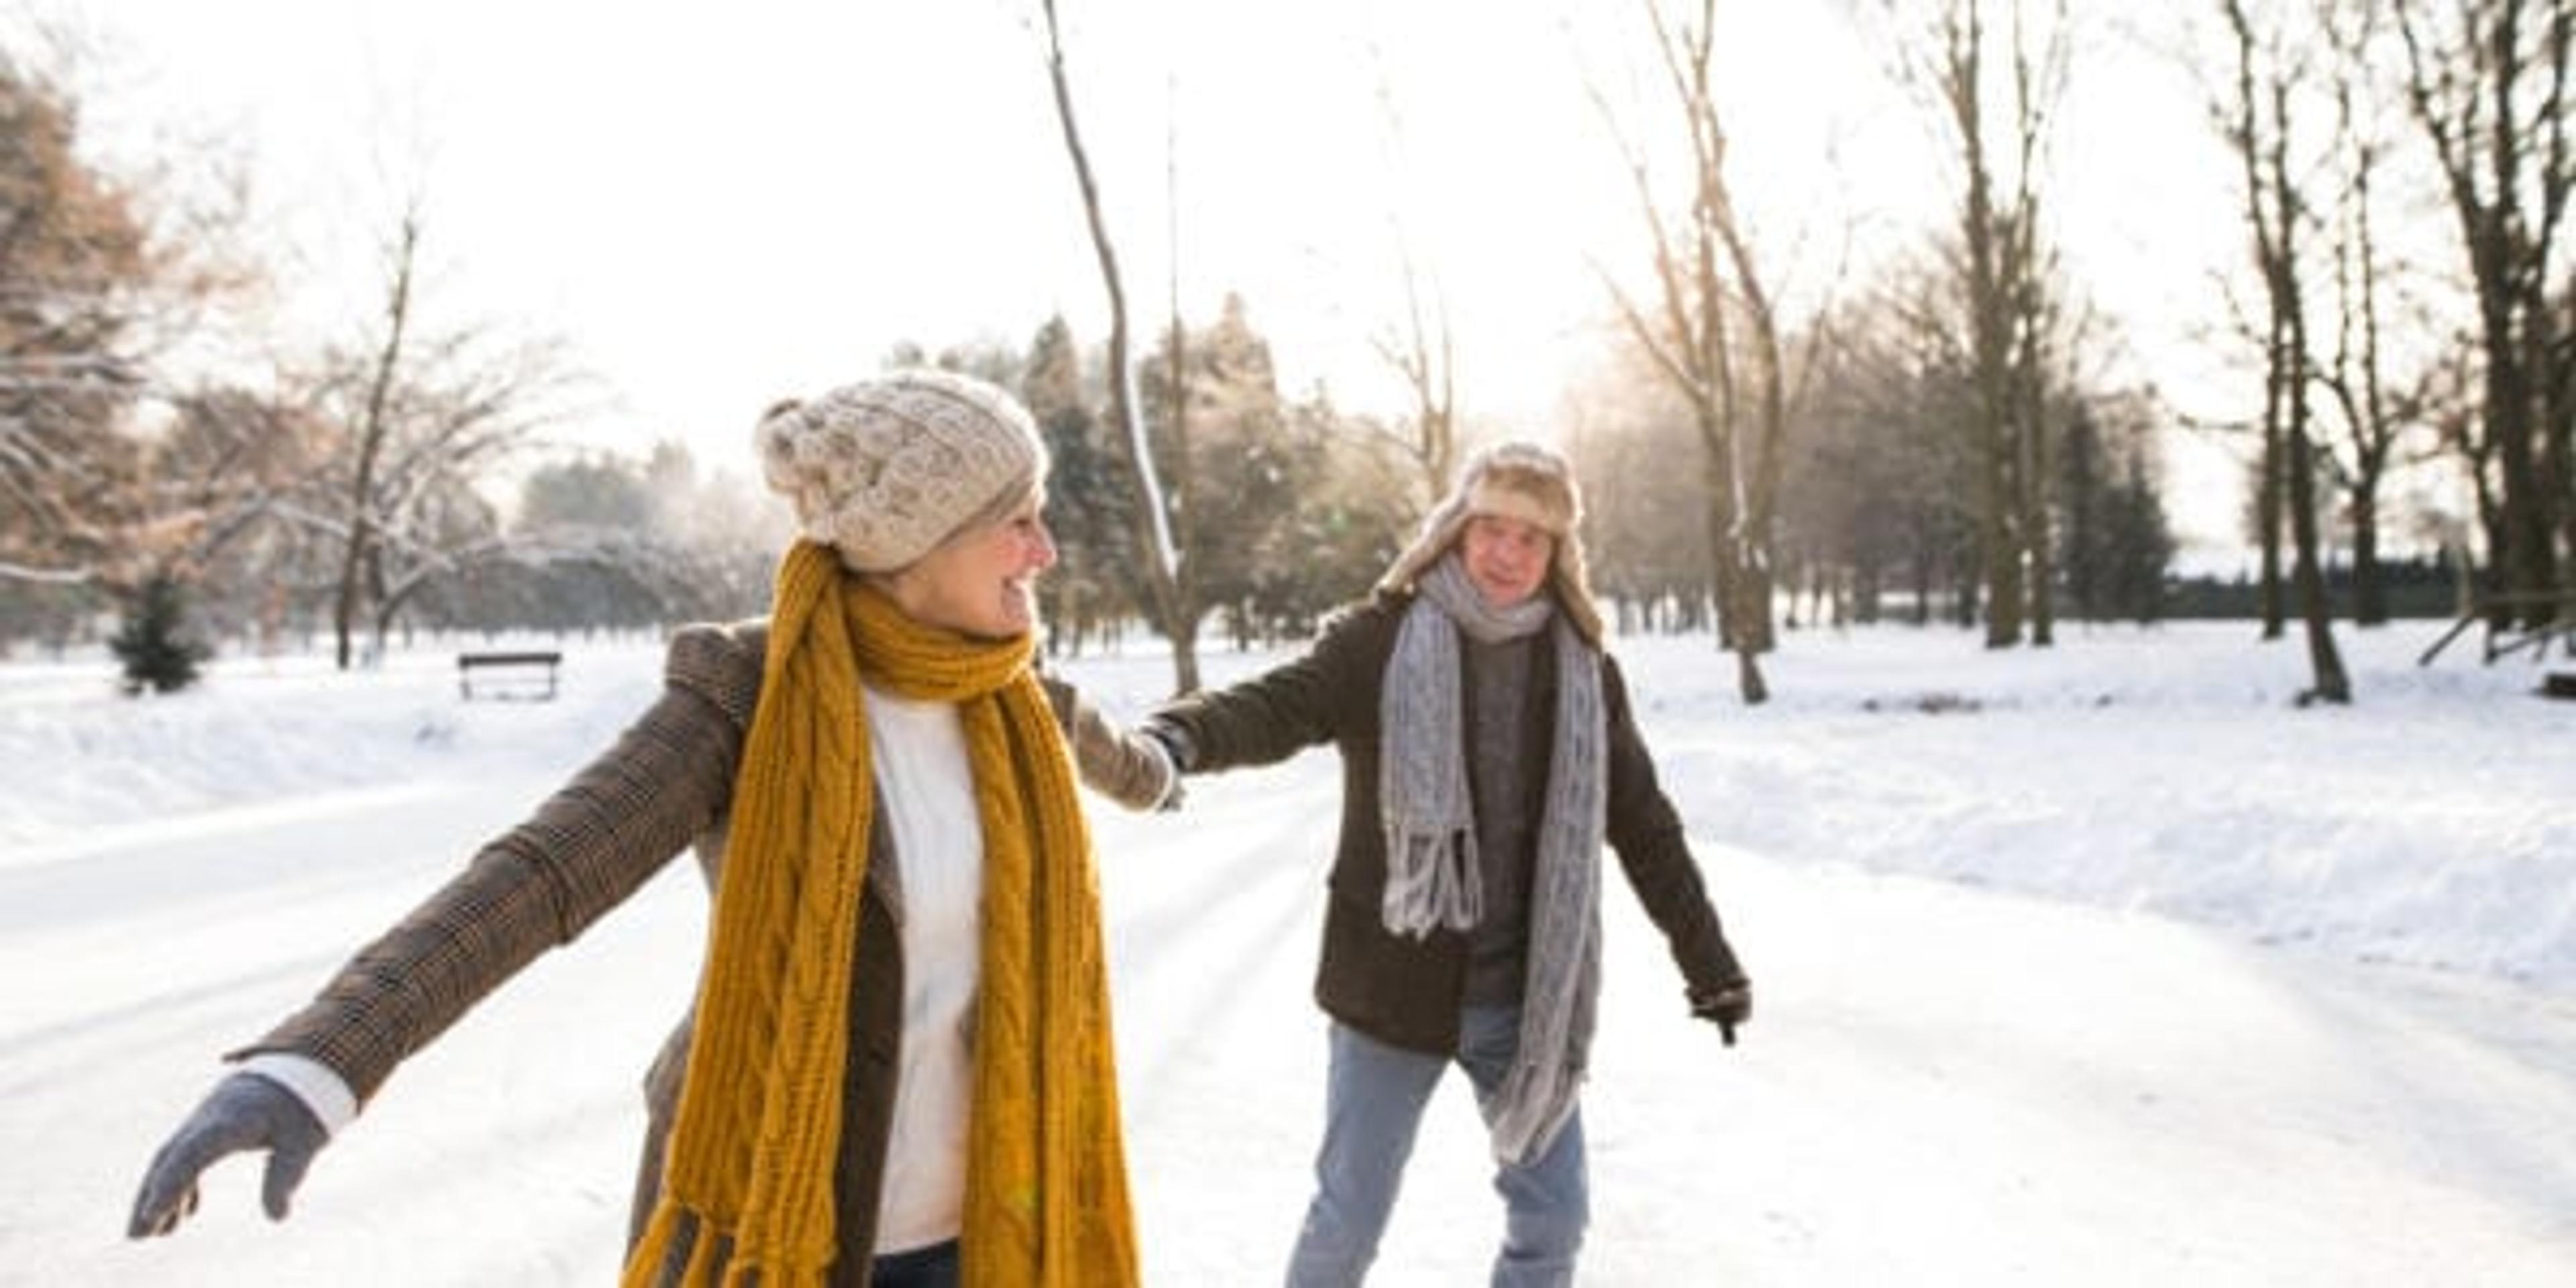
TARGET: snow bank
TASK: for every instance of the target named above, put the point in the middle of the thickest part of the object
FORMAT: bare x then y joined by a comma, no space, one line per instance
2164,770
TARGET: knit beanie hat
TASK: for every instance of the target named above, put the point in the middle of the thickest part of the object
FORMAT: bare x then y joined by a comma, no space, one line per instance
1517,480
886,469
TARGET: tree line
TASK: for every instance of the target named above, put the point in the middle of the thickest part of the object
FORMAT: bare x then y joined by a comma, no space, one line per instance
1945,426
1934,441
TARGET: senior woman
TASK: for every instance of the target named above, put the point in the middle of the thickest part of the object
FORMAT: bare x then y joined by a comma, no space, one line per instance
899,1065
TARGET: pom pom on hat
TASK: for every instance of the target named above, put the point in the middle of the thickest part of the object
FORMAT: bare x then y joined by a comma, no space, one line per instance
885,469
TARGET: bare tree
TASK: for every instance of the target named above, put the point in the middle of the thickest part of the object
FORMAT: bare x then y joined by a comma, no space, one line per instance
2250,324
1426,357
1172,614
221,473
368,435
2243,114
87,276
2276,218
2002,289
2488,81
1425,352
1710,283
114,488
1882,478
420,412
1179,514
2374,414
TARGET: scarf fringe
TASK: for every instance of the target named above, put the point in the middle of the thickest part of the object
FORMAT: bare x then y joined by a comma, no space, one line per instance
1432,881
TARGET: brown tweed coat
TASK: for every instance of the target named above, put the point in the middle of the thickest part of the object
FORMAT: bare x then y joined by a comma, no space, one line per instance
662,787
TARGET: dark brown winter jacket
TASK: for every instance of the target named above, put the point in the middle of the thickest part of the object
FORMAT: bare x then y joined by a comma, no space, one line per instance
1397,989
662,787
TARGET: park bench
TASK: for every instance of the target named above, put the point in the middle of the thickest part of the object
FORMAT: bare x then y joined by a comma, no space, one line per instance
525,674
2510,627
2509,631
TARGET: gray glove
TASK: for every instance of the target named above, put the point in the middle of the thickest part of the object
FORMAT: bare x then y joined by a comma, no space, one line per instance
1175,742
1176,753
244,1112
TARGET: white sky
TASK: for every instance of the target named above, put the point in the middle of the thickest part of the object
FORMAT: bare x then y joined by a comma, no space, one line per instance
718,211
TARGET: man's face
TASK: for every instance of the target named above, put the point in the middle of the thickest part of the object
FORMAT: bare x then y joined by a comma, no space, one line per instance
1506,559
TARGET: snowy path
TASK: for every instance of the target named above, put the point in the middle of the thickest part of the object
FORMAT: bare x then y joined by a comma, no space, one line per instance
1942,1085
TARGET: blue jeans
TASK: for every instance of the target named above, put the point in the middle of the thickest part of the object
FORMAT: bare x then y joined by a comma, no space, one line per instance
1374,1096
931,1267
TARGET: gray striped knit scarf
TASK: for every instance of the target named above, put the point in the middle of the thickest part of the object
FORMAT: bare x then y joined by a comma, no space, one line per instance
1432,877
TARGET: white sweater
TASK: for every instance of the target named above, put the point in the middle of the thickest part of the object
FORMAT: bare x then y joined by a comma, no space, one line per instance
929,795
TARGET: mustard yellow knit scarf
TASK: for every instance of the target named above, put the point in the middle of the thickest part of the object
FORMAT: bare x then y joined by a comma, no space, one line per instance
747,1196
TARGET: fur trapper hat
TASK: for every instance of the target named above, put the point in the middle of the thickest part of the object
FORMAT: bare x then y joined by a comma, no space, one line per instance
886,469
1516,480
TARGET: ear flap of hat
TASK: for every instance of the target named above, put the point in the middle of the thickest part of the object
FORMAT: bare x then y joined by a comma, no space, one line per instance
1573,582
1438,532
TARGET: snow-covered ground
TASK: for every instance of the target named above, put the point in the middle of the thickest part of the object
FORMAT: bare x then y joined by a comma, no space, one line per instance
2094,965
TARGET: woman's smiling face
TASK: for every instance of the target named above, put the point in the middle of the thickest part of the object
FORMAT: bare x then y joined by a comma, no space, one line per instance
983,580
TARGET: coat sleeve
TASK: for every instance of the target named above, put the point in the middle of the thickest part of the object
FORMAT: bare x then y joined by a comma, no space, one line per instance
1322,695
583,851
1115,761
1646,833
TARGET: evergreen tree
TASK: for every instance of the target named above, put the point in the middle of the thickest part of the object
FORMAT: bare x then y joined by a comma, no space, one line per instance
593,492
2143,549
1095,581
153,643
2115,541
2087,543
1234,459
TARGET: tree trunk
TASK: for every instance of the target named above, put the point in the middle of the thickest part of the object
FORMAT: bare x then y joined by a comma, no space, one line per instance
2561,413
1749,683
2269,481
1989,309
2290,321
1153,524
2550,361
2369,583
2323,660
2494,111
2527,557
361,541
1741,589
2001,550
1718,519
1921,567
2247,137
2033,466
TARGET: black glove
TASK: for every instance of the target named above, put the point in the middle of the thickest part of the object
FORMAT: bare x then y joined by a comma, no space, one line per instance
244,1112
1725,1007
